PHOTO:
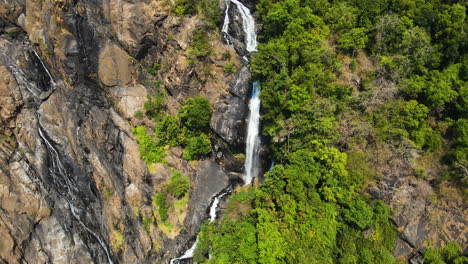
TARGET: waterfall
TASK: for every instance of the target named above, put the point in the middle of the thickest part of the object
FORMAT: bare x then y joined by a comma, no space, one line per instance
248,25
52,82
253,139
214,205
58,169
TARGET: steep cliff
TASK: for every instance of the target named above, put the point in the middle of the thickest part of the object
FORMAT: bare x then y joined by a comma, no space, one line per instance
73,74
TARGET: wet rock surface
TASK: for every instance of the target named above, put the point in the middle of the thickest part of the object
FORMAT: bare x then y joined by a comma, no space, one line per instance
73,188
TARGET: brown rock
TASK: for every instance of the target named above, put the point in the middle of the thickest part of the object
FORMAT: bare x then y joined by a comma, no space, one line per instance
10,98
115,66
130,99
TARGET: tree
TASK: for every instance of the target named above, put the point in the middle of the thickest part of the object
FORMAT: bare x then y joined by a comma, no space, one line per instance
168,131
149,151
196,114
354,39
178,185
197,146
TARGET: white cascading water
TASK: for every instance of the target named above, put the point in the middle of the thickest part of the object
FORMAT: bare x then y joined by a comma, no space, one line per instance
248,25
253,138
189,253
58,169
52,82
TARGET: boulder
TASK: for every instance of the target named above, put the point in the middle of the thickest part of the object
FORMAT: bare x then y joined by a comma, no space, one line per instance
130,99
115,66
209,180
228,120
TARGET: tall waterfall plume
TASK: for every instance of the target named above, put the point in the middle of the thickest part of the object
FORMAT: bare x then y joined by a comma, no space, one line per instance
253,139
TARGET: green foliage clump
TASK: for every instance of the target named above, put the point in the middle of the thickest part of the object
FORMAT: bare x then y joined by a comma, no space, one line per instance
161,205
229,68
150,152
154,68
197,147
154,106
195,115
449,254
208,9
200,48
398,120
168,131
178,185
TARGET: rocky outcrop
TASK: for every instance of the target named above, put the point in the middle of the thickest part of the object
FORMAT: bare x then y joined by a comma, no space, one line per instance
115,66
73,188
425,219
229,119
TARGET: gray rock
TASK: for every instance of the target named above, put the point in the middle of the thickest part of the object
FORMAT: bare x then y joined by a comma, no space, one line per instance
210,180
401,250
228,120
242,83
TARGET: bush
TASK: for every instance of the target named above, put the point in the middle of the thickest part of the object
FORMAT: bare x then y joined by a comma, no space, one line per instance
160,203
196,114
178,185
201,48
168,131
154,105
154,68
196,147
229,68
149,151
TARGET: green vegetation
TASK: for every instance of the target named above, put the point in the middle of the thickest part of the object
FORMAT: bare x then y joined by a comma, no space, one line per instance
229,68
161,206
149,151
154,106
200,48
449,254
410,98
168,131
195,115
189,129
207,9
154,68
178,185
118,240
197,147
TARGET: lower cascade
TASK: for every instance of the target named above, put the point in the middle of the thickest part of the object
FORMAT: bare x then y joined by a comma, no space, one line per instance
253,138
252,167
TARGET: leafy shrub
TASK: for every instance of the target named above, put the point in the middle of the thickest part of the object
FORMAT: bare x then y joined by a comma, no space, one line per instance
229,68
178,185
149,151
196,114
200,46
161,205
154,105
154,68
196,147
450,253
138,114
168,131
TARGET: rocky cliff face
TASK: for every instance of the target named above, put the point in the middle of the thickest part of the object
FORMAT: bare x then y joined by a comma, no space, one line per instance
73,188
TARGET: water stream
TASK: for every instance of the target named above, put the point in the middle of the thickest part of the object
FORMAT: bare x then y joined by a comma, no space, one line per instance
63,180
61,174
52,82
252,167
253,138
